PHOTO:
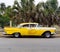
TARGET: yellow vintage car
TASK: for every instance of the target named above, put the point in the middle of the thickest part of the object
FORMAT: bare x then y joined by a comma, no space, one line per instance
30,29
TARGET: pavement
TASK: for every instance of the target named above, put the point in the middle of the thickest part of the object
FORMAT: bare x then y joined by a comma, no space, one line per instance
29,45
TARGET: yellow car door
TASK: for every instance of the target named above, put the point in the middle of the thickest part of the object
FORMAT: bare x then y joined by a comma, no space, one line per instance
24,29
32,30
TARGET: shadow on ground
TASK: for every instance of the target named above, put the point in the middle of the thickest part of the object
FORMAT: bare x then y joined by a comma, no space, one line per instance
29,37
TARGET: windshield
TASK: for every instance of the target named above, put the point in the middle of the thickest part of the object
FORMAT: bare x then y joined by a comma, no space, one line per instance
19,26
23,25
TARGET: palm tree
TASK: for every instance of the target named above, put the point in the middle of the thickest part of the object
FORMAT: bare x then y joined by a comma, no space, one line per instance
8,12
43,13
25,10
53,5
2,8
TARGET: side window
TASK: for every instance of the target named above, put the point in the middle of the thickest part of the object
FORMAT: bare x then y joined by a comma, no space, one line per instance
26,25
32,25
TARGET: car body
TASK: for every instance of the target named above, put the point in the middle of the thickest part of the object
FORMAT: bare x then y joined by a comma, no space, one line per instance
30,29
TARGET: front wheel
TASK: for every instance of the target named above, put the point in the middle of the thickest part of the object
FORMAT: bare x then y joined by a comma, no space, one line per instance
16,35
47,35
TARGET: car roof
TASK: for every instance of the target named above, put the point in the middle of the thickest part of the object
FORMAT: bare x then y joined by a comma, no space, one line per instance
29,23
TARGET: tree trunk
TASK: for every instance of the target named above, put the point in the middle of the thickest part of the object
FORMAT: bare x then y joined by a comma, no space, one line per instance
10,23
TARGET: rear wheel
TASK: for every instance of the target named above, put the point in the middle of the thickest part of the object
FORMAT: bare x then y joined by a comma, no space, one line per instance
47,35
16,35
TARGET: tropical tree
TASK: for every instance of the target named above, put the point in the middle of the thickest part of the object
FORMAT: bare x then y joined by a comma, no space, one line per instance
24,11
53,5
27,11
2,8
43,13
3,18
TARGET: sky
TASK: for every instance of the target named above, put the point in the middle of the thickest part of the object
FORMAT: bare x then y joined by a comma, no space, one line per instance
10,2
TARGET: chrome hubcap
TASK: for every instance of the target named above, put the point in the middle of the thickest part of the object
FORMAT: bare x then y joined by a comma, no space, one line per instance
47,35
16,35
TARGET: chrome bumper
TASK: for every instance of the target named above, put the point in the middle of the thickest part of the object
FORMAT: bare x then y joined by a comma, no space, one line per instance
53,33
3,33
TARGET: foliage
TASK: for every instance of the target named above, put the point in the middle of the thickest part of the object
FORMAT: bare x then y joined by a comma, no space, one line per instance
47,13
